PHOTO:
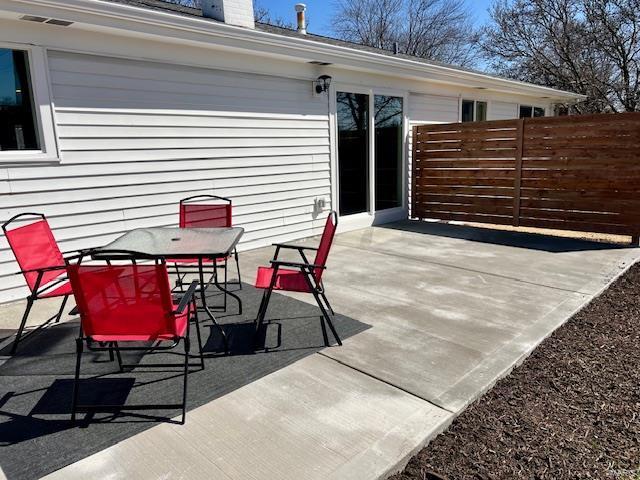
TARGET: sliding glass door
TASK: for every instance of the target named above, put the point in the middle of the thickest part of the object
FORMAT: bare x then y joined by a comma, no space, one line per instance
370,152
388,151
353,148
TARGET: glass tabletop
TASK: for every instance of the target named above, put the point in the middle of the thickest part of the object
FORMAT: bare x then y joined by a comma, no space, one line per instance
179,242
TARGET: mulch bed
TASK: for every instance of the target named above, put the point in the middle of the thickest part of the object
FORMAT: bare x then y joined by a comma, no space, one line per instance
571,410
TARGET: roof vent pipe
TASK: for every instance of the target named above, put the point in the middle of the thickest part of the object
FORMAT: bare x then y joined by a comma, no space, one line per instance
301,8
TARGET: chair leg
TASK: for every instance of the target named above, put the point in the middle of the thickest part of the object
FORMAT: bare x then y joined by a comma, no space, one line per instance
23,322
195,314
76,379
326,301
179,279
327,317
235,253
187,348
59,315
118,356
264,305
226,283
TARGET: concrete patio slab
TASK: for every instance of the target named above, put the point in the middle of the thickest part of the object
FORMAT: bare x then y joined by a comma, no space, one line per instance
316,419
452,310
542,260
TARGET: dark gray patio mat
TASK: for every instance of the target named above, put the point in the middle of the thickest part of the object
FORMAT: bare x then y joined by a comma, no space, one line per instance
36,436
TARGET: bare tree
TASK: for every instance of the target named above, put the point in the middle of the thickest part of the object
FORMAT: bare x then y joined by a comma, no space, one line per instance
591,47
435,29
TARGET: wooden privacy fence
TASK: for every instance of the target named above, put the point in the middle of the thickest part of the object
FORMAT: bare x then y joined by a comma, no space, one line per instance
577,173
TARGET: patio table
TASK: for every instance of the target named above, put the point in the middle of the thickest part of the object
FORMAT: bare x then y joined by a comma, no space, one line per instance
183,243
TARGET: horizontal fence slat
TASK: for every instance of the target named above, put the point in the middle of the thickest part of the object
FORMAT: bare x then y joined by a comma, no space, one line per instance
578,173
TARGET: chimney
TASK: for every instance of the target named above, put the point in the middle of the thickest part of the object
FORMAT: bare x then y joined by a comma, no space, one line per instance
231,12
301,8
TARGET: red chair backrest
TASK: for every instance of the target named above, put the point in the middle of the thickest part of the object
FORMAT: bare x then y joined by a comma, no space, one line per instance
34,246
204,213
325,242
123,299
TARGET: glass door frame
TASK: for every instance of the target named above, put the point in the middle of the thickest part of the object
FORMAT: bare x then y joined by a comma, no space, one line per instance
372,215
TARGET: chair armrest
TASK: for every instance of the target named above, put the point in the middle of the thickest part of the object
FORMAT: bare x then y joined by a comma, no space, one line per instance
296,264
76,251
187,297
45,269
294,247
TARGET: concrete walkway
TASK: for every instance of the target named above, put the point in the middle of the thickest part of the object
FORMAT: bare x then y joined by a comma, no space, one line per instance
452,310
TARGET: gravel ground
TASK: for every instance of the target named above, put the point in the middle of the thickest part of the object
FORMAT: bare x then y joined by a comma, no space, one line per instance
570,411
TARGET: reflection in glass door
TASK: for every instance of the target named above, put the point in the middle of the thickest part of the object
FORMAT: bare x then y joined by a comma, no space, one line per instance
353,152
388,151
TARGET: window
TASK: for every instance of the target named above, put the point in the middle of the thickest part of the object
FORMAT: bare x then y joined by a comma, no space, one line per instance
17,120
388,118
353,152
26,122
528,111
474,111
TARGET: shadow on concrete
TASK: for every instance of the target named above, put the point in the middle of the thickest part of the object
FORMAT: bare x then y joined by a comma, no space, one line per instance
531,241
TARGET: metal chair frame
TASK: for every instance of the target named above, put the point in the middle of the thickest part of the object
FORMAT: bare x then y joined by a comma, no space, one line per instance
188,302
186,270
315,285
37,291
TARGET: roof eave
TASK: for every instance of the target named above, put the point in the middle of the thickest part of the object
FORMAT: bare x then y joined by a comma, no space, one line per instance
288,46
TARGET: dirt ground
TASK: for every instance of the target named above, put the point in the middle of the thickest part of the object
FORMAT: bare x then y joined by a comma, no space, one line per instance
570,411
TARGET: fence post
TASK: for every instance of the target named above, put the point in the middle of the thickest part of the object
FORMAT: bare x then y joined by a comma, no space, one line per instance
518,172
414,171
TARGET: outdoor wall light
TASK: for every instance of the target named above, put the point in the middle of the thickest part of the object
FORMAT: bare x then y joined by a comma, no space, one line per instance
322,84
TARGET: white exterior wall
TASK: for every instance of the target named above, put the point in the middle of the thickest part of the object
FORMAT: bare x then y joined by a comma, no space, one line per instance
136,137
433,108
504,111
143,122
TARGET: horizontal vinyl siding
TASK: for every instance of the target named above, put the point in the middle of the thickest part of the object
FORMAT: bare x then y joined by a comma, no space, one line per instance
433,108
503,111
428,109
136,137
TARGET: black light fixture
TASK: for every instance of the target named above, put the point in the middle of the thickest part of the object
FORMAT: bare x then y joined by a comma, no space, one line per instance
322,84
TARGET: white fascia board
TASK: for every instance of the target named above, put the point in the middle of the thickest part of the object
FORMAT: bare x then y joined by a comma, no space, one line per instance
175,27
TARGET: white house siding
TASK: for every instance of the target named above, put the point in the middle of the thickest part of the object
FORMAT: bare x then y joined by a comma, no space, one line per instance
136,137
428,109
433,108
503,111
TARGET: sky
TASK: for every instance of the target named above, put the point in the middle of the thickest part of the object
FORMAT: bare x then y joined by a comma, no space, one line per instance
319,12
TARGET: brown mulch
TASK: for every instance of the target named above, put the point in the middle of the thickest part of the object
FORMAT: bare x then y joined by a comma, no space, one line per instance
571,410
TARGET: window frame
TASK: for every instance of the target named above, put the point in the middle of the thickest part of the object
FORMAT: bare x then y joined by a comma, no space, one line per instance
533,108
475,108
42,109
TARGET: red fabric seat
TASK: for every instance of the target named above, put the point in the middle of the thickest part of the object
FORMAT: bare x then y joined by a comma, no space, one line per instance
59,290
206,211
289,280
300,276
41,263
181,329
120,304
125,302
35,248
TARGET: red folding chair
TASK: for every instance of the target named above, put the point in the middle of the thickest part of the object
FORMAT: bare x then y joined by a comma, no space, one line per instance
41,262
302,276
131,305
206,211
